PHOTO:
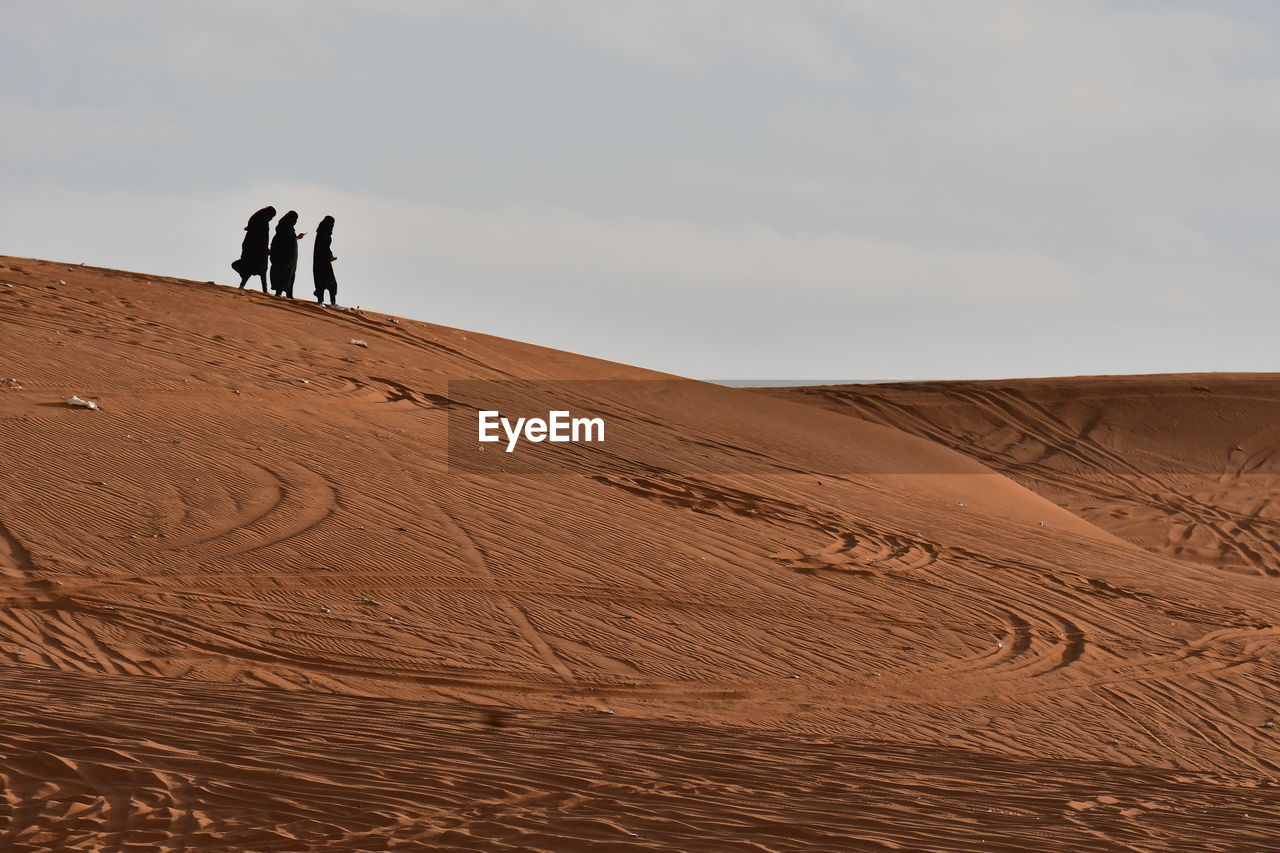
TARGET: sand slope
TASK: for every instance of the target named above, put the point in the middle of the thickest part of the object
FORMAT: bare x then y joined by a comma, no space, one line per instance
244,611
1187,466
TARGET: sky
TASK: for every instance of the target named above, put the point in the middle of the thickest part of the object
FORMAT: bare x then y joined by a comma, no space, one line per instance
730,189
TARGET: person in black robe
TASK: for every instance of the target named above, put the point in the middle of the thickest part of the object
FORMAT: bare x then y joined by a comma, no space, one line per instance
322,259
284,255
253,251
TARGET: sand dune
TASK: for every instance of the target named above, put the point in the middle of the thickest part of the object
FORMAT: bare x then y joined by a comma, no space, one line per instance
1187,466
260,601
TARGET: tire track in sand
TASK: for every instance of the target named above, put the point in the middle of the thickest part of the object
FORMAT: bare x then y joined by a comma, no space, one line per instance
475,558
300,500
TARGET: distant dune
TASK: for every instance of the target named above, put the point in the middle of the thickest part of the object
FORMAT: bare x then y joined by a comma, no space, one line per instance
252,603
1187,466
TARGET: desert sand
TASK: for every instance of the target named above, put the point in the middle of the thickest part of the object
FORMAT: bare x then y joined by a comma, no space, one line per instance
259,601
1183,465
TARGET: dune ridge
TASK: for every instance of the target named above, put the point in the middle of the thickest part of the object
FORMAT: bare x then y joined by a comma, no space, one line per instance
1182,465
253,603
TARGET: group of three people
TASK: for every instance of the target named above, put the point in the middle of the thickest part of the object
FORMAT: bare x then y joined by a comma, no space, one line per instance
283,255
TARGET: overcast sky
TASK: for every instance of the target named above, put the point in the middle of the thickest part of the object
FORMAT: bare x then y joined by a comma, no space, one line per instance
748,189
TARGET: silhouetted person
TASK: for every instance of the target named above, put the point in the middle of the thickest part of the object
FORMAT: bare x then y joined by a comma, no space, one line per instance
253,251
322,259
284,255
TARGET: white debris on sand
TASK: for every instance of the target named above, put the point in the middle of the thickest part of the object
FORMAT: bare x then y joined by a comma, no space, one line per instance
79,403
359,342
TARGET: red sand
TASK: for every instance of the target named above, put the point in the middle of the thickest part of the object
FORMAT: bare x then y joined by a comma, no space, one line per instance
275,620
1187,466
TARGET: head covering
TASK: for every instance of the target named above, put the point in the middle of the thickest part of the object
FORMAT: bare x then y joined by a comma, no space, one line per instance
262,218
